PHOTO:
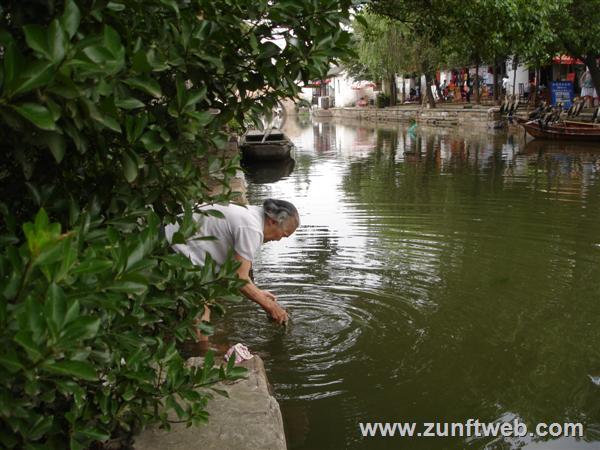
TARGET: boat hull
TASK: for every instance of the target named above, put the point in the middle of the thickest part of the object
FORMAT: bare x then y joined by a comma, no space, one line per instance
268,151
564,132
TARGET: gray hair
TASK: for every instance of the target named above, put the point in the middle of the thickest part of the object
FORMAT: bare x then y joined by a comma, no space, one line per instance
281,211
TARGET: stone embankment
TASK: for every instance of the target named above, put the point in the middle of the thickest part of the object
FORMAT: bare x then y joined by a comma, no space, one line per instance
249,419
451,115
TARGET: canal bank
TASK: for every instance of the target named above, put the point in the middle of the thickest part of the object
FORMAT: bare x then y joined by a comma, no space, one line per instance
248,417
481,117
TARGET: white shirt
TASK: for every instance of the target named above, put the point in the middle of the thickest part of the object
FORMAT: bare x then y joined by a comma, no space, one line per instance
242,230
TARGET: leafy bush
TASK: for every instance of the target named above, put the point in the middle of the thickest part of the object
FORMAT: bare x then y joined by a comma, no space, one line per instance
112,114
382,100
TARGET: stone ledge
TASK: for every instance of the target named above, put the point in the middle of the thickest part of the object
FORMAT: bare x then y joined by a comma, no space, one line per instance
482,117
249,419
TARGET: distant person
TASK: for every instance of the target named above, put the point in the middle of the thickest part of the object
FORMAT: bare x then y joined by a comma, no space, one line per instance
242,231
505,81
587,88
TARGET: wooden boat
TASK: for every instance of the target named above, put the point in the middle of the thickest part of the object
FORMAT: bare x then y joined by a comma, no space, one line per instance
574,123
563,131
265,145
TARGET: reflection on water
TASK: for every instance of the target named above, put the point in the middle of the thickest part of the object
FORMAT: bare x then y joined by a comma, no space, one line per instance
437,276
262,172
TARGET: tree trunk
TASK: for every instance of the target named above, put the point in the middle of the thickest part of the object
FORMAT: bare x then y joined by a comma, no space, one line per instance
536,85
514,63
496,89
403,93
438,89
393,90
430,99
592,64
476,98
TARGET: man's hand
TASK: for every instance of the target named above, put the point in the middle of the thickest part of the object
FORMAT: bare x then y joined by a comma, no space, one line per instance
265,299
276,312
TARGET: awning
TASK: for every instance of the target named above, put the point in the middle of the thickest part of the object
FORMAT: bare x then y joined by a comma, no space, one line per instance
318,82
362,85
566,59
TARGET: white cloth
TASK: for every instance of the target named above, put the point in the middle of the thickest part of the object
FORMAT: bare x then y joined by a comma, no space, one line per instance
241,353
242,230
588,92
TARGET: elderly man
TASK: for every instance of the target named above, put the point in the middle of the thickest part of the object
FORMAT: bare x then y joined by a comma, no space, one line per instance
243,230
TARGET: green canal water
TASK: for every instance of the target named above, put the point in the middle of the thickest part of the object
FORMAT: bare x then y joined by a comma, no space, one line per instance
438,275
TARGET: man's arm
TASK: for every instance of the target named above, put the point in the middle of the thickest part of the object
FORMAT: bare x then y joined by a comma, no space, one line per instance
265,299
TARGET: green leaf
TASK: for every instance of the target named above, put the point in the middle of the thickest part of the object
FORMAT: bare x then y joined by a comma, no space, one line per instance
103,118
56,306
93,266
130,169
76,369
80,329
112,40
97,54
11,362
145,84
178,238
11,58
24,339
94,433
37,114
56,41
41,220
129,103
152,141
206,328
172,4
70,18
57,145
40,427
214,213
202,117
72,312
70,248
50,253
195,96
114,6
35,318
237,372
36,38
220,392
128,287
38,74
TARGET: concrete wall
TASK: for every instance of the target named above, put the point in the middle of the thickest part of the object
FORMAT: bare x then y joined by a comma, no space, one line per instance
449,116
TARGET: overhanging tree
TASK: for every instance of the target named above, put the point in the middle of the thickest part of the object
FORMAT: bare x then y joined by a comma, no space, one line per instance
110,114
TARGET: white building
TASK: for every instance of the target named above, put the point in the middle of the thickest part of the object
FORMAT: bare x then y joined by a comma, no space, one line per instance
342,90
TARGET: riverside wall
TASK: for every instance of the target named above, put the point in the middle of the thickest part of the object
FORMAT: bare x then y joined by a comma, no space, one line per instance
465,116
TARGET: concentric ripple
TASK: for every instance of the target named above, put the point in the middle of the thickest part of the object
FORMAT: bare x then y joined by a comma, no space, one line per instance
436,274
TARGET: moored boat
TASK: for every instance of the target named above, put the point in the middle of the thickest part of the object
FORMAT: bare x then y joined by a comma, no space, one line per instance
563,131
265,145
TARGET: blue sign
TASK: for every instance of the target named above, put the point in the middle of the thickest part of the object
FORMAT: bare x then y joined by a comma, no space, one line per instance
562,91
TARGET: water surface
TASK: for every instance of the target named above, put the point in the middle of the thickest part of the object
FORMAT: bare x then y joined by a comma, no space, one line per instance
438,275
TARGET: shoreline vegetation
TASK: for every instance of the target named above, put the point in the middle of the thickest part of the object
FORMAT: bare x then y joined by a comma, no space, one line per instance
112,113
